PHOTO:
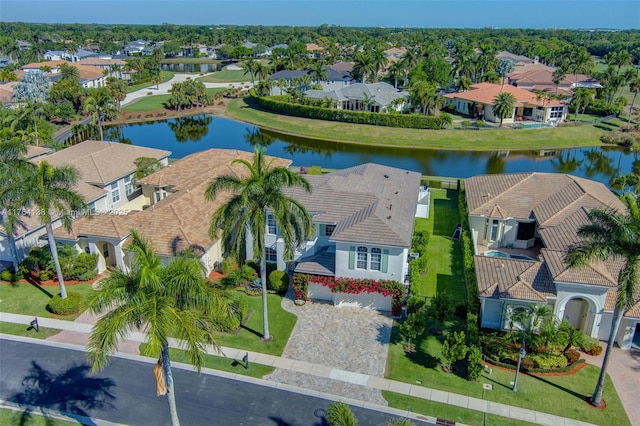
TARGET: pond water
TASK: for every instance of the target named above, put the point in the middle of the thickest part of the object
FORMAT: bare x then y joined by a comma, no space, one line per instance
183,67
186,135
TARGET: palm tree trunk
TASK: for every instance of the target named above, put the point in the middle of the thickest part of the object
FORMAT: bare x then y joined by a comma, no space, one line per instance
100,128
14,251
633,101
596,399
263,278
171,396
54,255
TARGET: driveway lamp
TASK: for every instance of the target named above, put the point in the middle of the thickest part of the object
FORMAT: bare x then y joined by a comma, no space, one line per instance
521,356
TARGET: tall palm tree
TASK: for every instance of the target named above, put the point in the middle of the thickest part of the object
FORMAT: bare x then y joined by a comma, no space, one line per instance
634,87
100,104
505,66
503,105
52,194
580,62
611,234
243,218
319,72
161,301
363,66
558,76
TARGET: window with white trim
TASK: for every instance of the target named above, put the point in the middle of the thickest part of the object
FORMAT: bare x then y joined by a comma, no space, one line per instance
115,192
376,259
556,112
271,224
128,185
271,255
361,260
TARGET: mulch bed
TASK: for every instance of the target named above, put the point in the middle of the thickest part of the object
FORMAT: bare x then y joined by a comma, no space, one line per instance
33,279
574,370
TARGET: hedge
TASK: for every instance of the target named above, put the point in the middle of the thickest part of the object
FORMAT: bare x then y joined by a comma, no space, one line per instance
473,303
68,306
412,121
566,369
278,281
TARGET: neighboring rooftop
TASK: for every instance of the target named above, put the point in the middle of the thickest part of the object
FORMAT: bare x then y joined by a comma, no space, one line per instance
486,92
381,93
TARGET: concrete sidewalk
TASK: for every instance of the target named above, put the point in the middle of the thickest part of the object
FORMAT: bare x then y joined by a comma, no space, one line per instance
78,333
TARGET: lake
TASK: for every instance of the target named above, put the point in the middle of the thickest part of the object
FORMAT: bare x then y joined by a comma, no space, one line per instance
196,68
186,135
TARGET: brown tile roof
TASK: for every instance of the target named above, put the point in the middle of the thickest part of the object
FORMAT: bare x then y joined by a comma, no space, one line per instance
540,77
181,220
322,263
596,273
88,72
343,66
101,62
6,91
36,151
52,64
486,92
100,225
513,279
312,47
370,203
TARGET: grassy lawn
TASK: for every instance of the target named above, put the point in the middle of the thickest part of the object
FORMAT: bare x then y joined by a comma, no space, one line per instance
281,325
164,77
10,417
29,299
220,363
445,271
448,412
156,102
563,396
225,76
24,330
498,139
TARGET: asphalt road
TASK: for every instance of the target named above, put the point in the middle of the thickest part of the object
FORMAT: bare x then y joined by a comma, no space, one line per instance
124,392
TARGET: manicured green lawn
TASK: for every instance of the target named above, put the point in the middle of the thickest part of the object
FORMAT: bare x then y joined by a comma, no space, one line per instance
563,395
498,139
220,363
28,299
281,325
444,255
156,102
447,412
225,76
10,417
164,77
24,330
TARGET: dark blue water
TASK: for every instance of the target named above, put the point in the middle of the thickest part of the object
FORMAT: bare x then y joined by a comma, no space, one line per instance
187,135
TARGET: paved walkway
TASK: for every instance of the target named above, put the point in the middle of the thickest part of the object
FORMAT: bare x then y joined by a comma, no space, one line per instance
81,329
163,88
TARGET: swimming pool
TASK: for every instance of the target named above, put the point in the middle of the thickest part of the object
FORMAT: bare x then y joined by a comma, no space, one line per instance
533,125
503,255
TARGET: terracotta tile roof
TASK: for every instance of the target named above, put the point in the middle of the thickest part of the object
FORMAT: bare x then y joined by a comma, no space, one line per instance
596,273
6,90
610,303
540,77
370,203
88,72
513,279
101,61
530,67
52,64
312,47
485,93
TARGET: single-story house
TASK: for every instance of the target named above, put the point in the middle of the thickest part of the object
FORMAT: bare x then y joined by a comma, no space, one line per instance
479,101
106,184
335,79
542,80
90,76
374,97
522,226
80,54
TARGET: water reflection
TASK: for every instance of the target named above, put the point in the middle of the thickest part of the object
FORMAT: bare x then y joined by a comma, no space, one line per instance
599,164
191,128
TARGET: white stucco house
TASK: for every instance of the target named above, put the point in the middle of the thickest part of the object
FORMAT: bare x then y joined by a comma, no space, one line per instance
105,184
522,226
372,97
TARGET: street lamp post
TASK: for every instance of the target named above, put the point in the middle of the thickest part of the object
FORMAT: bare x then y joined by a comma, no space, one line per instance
521,356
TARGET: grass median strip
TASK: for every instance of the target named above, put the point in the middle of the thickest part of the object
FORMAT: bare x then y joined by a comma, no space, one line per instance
26,331
475,140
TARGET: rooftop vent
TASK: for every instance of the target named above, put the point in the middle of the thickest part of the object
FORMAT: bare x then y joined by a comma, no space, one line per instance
386,176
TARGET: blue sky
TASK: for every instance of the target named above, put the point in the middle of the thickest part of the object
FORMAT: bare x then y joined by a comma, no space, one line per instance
623,14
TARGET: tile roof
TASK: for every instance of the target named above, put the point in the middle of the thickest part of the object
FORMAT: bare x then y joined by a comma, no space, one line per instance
321,263
596,273
370,203
381,93
6,91
101,61
503,54
486,92
37,151
513,279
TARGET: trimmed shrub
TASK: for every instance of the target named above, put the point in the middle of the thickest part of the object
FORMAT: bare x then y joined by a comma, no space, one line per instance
594,350
71,305
83,267
474,365
340,414
547,361
572,355
229,265
45,275
314,170
472,329
419,241
526,364
416,304
278,281
7,275
413,121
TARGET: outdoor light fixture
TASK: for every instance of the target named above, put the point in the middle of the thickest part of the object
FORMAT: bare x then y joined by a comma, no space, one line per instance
521,356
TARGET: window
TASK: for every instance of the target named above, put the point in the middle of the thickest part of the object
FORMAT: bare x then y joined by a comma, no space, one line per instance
495,226
115,192
271,255
128,185
376,259
271,225
526,230
328,230
556,112
105,250
362,258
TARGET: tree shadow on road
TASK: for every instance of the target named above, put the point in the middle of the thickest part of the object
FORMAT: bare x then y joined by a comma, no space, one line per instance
72,392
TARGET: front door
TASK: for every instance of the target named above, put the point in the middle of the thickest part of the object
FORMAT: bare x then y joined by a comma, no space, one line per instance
576,311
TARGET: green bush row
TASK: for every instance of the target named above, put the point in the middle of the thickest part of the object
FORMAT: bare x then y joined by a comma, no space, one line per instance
68,306
473,303
412,121
538,370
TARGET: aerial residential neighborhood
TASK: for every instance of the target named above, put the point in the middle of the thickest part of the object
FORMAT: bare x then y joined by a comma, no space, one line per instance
416,218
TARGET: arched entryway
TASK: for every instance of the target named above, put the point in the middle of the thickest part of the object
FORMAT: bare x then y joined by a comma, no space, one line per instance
106,255
577,313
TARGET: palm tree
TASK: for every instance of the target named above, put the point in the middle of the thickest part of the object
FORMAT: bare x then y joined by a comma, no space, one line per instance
264,86
558,76
505,66
463,84
634,87
421,93
282,84
51,192
162,301
100,104
363,65
580,62
379,62
319,72
250,67
581,98
503,105
243,218
611,234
